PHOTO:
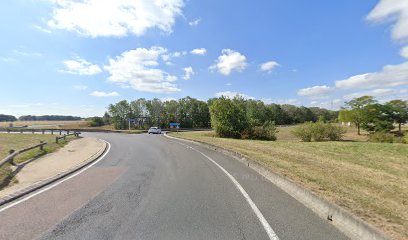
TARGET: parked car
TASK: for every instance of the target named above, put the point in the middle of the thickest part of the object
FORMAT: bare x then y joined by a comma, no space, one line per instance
154,130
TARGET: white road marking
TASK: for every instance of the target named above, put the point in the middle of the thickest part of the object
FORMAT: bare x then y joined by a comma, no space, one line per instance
57,183
271,234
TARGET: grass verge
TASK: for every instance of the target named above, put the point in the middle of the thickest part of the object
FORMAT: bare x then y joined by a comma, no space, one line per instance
368,179
20,141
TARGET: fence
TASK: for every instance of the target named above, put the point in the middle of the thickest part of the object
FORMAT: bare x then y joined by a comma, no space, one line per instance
76,134
13,154
43,131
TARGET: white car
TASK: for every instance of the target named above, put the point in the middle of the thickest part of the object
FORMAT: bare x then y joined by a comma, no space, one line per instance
154,130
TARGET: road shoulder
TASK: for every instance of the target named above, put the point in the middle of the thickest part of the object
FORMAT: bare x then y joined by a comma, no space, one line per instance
347,223
53,167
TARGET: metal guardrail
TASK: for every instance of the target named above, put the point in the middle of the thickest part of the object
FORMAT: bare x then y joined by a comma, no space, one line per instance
13,154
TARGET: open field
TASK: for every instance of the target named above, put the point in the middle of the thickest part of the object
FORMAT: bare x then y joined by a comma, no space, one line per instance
368,179
48,124
20,141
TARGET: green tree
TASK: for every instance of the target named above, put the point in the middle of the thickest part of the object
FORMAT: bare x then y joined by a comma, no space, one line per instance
358,111
399,112
120,113
377,118
228,118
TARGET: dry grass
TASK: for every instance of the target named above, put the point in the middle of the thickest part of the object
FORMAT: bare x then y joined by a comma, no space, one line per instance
81,124
20,141
48,124
368,179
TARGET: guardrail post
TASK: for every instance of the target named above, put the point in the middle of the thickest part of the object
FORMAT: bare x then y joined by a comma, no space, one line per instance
42,146
60,132
8,130
67,132
65,136
21,130
56,139
32,131
52,132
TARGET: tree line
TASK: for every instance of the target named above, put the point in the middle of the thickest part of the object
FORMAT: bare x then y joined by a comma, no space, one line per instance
194,113
10,118
7,118
368,114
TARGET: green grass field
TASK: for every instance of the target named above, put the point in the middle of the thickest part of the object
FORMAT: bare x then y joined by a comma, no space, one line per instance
368,179
20,141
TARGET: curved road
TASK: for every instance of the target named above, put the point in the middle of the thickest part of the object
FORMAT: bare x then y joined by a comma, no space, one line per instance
152,187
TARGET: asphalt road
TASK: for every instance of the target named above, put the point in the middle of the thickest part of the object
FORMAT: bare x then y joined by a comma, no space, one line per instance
151,187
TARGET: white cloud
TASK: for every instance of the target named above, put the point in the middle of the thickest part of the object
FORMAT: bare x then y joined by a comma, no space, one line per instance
81,87
179,54
316,90
375,93
404,52
104,94
199,51
26,53
228,84
42,29
229,61
138,69
168,99
268,66
118,18
392,10
188,72
231,95
334,104
7,59
292,101
81,67
194,23
389,76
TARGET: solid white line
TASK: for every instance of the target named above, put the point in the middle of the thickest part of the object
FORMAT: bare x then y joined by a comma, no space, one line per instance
271,234
57,183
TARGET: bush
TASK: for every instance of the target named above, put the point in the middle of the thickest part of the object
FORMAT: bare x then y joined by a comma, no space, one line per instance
382,137
265,132
334,133
318,131
96,122
304,132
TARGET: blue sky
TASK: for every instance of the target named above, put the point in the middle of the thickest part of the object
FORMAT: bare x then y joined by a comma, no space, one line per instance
76,57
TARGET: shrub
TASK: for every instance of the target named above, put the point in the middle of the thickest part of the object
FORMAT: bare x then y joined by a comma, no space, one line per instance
96,122
334,133
304,132
382,137
318,131
265,132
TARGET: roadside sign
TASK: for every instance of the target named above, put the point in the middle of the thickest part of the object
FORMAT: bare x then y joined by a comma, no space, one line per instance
174,125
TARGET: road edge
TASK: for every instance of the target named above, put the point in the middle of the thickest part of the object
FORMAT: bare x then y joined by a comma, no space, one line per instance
48,181
349,224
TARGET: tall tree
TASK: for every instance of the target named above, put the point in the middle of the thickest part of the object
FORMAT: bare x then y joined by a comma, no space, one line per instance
358,110
399,111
